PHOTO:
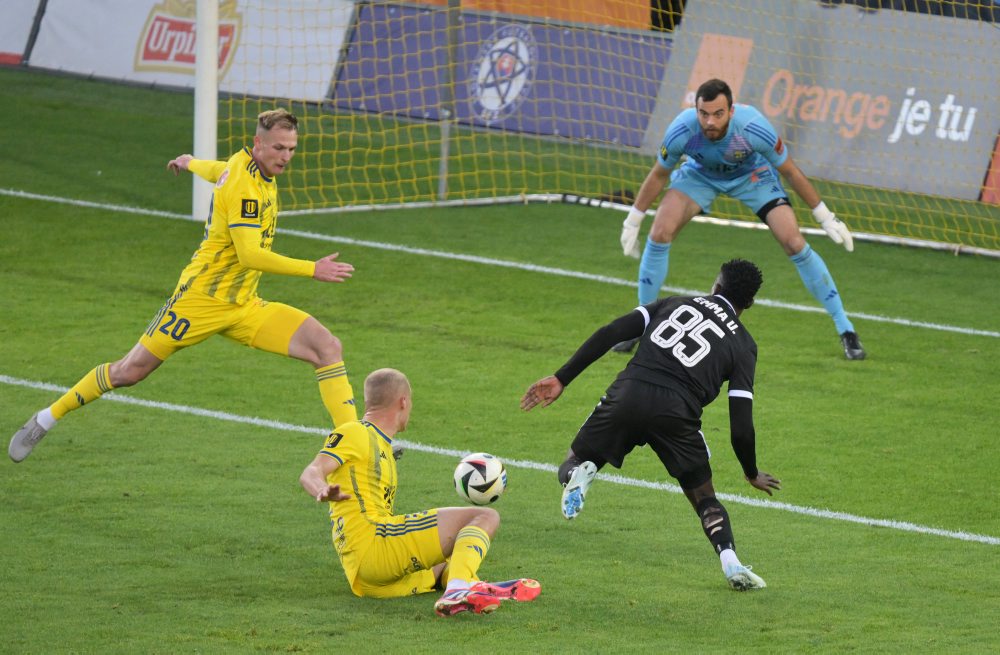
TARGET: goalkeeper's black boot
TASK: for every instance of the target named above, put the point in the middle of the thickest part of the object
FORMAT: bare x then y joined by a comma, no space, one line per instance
852,345
626,346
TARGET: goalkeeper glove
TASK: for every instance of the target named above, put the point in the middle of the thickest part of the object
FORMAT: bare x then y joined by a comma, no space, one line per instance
833,226
630,233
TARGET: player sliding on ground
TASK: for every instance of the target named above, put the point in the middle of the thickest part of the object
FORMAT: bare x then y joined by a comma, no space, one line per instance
217,292
388,555
688,346
732,150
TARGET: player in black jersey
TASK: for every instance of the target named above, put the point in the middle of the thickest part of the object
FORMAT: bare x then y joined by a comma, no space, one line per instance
688,346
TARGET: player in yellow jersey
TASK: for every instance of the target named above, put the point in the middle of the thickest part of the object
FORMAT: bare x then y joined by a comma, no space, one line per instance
217,291
388,555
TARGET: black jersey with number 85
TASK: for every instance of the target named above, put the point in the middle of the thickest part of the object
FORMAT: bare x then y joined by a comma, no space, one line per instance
694,344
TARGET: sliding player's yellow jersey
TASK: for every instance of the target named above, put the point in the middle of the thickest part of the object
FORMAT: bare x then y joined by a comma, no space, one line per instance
239,232
367,473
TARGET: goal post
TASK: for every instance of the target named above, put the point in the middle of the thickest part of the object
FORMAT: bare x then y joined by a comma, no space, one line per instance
892,113
206,98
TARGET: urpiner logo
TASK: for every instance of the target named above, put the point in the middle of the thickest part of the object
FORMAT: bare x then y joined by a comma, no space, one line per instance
502,74
167,42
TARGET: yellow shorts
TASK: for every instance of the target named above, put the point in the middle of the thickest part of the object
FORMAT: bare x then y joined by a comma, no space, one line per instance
398,557
190,317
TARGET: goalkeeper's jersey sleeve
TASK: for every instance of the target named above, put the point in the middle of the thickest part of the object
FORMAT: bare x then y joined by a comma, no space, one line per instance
236,247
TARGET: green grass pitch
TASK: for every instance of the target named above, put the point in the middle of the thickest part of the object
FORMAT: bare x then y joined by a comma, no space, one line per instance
153,527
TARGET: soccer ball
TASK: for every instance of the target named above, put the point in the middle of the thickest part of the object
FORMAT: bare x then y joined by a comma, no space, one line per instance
480,478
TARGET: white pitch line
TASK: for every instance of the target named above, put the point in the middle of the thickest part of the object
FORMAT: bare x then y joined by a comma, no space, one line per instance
527,464
489,261
549,270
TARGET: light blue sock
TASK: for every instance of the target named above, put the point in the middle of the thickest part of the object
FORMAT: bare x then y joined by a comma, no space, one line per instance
653,270
814,273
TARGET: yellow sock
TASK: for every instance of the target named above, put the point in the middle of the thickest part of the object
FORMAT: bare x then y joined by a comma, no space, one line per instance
471,546
90,387
336,392
445,575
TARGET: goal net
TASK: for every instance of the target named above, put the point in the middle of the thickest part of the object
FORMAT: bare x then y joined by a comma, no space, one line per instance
893,112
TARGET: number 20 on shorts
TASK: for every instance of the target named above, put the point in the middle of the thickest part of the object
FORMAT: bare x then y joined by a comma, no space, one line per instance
174,327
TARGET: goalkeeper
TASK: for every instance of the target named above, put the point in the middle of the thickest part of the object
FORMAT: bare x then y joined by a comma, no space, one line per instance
217,291
732,150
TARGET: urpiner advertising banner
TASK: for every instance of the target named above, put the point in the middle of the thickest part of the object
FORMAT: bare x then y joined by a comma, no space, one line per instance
508,74
275,48
883,98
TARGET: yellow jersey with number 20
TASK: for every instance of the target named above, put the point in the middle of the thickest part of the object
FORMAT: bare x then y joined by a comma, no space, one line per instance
239,232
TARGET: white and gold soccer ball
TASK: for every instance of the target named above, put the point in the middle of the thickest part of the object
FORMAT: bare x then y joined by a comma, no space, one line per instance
480,478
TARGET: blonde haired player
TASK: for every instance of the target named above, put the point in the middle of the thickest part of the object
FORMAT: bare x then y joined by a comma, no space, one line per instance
387,555
217,291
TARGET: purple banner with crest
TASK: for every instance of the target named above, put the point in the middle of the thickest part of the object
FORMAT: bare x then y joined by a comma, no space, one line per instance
517,76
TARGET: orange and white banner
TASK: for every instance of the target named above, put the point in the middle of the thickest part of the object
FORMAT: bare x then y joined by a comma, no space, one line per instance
885,98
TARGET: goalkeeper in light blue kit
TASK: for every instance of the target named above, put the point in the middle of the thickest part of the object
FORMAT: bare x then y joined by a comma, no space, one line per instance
732,150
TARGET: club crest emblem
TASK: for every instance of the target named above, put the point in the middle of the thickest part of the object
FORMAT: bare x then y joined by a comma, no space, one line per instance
503,73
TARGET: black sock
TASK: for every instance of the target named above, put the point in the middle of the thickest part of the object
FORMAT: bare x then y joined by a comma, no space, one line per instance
566,468
715,523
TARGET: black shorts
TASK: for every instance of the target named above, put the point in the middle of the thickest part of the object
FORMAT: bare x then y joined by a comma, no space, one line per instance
634,413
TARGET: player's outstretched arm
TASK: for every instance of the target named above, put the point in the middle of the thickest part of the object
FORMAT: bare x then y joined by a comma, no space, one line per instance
765,482
331,493
544,392
314,476
207,170
833,226
179,163
329,269
246,241
650,189
630,233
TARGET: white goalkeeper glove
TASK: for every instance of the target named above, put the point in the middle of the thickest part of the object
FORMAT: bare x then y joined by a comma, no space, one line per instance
630,233
833,226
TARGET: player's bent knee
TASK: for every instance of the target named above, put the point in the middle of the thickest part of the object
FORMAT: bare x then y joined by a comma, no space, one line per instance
321,348
488,519
794,245
330,349
695,478
662,233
